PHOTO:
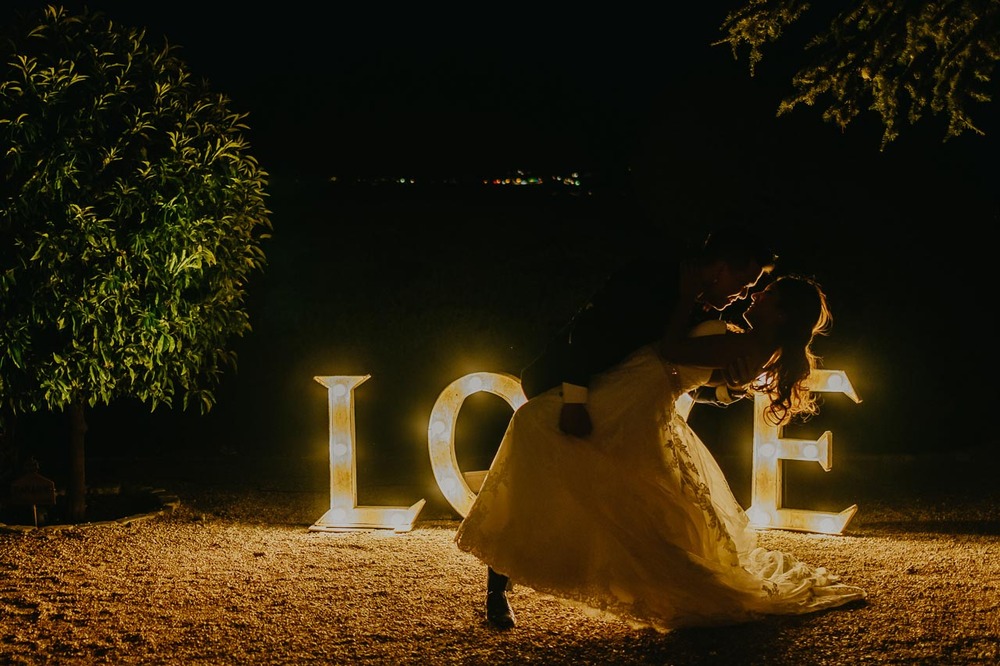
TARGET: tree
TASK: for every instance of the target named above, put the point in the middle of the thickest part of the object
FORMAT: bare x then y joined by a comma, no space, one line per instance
131,218
901,58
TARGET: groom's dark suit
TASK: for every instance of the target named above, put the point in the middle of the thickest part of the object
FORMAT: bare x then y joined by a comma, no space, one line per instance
630,310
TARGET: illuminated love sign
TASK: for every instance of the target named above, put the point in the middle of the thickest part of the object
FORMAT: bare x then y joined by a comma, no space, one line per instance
345,514
441,432
769,449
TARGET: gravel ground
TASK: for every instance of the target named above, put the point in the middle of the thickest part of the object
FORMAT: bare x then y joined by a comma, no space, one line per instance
228,573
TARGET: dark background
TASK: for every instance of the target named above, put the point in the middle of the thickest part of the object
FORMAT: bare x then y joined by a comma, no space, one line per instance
417,285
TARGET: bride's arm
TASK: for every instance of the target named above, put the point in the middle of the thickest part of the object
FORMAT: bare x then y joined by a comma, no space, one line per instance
709,351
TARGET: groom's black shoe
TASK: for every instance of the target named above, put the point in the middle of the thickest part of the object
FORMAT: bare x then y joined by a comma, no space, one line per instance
498,610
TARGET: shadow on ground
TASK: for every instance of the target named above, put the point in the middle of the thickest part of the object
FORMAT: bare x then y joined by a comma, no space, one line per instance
104,504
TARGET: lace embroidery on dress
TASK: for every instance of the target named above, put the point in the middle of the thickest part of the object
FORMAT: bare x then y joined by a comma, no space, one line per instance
678,457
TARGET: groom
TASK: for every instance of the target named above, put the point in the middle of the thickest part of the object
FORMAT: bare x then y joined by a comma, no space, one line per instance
628,312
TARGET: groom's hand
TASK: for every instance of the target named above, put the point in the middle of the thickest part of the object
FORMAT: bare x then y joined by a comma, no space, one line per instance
574,419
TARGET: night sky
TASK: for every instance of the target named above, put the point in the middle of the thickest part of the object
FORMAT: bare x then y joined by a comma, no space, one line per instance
418,288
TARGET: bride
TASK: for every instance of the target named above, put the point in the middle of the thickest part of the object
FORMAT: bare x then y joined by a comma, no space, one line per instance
637,520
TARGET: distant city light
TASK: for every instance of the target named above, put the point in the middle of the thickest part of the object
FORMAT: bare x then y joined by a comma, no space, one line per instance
574,182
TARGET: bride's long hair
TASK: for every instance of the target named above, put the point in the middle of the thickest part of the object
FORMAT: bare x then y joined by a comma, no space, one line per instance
783,380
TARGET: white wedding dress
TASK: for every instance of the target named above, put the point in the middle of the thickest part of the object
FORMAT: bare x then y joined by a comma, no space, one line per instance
637,521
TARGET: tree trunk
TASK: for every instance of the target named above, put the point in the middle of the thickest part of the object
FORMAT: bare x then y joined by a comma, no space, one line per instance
9,445
76,494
